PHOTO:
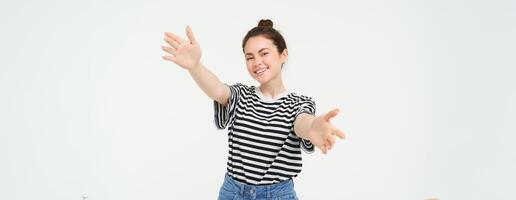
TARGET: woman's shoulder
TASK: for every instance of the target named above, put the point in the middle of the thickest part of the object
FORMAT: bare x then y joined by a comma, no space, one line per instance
242,88
301,97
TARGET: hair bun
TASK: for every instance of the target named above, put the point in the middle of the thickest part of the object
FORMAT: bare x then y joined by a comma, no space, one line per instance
266,23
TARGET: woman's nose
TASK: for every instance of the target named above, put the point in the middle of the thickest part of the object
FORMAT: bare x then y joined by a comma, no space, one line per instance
257,61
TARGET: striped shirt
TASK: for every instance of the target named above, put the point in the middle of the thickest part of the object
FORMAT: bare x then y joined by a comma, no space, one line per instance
263,148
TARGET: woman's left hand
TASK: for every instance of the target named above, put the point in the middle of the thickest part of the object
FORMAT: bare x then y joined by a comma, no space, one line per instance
322,132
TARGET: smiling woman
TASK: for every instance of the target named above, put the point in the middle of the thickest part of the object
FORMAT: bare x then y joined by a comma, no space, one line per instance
262,60
268,125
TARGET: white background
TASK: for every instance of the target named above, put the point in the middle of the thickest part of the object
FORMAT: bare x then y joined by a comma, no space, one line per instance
426,89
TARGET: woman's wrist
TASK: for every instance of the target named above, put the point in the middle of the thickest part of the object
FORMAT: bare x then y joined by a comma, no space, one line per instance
312,133
195,67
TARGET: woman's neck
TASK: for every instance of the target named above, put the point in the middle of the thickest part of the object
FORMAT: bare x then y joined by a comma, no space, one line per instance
272,88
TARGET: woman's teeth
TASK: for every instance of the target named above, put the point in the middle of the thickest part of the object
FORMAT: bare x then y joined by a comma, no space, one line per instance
261,70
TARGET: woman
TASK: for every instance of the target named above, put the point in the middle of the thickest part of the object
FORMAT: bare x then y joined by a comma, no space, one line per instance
267,125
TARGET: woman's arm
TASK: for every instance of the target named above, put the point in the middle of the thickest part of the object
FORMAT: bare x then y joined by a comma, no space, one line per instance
210,84
187,54
318,129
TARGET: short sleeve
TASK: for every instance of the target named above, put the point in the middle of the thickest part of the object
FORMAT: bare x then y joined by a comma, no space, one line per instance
224,115
306,105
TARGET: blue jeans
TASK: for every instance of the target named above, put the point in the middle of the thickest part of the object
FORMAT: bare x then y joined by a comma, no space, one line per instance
232,189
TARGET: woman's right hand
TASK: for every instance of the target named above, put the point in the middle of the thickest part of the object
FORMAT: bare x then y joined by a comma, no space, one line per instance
186,54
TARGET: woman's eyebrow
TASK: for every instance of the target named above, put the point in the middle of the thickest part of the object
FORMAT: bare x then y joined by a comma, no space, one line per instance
258,51
263,49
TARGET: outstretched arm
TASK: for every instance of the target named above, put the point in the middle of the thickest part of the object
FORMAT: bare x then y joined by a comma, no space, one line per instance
318,129
187,54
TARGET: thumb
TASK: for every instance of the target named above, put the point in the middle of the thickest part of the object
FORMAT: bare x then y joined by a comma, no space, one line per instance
190,35
331,114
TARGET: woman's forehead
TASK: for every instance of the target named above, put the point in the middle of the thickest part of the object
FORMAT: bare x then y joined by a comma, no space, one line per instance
255,44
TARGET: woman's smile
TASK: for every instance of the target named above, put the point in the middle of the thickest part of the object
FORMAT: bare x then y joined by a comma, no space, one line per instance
261,70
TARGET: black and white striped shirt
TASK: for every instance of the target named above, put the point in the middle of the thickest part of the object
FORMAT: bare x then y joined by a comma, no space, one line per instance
263,148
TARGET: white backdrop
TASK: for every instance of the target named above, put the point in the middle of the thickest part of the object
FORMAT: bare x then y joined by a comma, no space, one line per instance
426,91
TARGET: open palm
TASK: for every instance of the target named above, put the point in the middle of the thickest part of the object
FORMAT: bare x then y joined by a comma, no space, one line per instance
324,132
186,54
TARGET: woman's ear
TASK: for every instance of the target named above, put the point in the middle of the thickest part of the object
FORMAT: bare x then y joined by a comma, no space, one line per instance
284,56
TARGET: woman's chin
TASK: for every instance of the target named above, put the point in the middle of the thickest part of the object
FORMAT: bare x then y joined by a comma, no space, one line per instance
261,80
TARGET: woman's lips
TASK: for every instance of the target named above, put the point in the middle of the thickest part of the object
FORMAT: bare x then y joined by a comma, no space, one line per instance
261,70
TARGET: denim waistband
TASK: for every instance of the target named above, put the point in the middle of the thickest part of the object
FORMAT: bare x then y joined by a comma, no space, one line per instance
260,191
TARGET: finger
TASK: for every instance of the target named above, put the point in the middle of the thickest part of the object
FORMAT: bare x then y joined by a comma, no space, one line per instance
169,58
331,141
324,149
330,147
331,114
190,35
174,37
339,133
168,50
171,42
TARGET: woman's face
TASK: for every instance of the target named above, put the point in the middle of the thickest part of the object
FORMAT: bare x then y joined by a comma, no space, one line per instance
262,59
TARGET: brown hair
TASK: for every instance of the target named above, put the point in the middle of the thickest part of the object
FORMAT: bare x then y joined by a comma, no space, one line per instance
266,30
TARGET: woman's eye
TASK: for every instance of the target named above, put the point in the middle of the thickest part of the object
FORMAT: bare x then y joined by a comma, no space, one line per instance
265,53
248,58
